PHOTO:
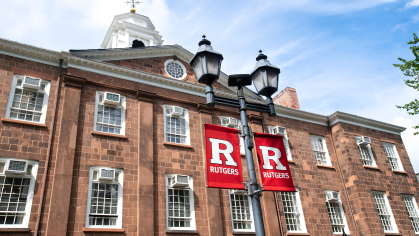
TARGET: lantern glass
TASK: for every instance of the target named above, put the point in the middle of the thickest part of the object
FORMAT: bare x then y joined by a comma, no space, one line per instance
197,67
213,63
272,77
257,80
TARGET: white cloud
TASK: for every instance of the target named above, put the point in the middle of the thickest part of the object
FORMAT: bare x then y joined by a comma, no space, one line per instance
412,4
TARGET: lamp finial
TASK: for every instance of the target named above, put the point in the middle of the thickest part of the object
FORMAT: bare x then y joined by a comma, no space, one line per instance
204,41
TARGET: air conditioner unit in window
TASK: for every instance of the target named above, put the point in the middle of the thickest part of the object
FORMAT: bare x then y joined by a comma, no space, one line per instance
179,181
112,99
240,191
363,140
332,196
232,122
106,174
15,168
176,112
279,130
31,83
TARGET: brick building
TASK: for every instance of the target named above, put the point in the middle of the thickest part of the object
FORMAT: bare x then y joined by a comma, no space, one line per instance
90,145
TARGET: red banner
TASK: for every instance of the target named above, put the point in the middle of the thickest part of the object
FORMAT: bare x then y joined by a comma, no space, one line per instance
273,164
224,168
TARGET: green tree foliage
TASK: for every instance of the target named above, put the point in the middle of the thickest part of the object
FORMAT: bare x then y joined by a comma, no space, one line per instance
411,69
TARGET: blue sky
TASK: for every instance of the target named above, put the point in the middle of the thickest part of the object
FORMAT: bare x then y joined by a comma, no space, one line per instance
337,54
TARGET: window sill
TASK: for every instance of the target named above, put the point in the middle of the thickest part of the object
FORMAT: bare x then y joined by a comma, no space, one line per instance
399,172
110,230
393,234
22,122
184,231
14,230
291,161
177,145
299,234
109,135
371,167
243,233
323,166
242,154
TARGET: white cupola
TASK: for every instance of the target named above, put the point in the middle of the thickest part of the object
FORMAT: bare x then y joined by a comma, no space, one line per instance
127,27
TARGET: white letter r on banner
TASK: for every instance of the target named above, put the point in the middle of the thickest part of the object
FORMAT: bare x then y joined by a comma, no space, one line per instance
275,157
216,152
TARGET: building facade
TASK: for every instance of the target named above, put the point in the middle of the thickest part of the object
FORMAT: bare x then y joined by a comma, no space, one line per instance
111,142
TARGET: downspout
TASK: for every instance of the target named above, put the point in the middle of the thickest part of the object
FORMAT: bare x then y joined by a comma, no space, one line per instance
341,178
51,132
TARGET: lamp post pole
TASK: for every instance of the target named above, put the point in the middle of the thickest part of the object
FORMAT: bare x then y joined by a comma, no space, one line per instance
207,64
251,172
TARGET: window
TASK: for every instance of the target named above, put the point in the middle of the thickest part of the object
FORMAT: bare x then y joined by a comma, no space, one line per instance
294,218
384,212
365,153
104,204
176,128
109,113
393,157
286,144
175,69
336,214
28,99
180,214
17,183
320,150
241,211
229,122
412,210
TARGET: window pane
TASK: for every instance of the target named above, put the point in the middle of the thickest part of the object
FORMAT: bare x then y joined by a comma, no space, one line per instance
108,119
179,208
383,211
240,211
411,208
13,200
175,127
291,211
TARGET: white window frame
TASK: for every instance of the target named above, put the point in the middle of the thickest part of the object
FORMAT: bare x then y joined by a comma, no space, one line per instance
26,218
249,199
342,212
180,64
285,137
415,205
301,213
241,142
120,197
328,162
123,111
12,93
399,163
368,146
188,137
393,222
191,199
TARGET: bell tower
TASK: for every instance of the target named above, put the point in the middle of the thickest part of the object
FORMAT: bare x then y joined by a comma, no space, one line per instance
127,27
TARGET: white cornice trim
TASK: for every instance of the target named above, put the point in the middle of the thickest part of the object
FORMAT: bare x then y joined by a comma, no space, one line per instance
28,52
142,77
148,52
339,116
300,115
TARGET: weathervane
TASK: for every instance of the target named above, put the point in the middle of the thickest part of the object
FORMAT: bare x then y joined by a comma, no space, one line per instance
133,3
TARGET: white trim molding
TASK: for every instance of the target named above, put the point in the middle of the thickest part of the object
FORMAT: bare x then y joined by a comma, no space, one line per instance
343,117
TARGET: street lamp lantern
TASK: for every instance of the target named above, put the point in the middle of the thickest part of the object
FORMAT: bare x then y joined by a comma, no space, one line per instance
265,76
206,63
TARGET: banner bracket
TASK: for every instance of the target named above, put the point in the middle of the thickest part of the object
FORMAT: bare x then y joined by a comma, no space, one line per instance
258,191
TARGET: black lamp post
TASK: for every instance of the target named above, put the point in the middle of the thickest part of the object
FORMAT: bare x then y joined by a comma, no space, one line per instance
207,64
